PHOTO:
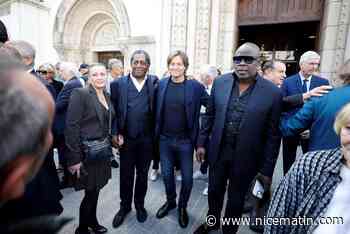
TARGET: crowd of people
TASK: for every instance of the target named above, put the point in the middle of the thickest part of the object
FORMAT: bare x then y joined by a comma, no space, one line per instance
232,124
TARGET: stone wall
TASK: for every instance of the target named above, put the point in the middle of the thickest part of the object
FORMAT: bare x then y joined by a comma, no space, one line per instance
335,37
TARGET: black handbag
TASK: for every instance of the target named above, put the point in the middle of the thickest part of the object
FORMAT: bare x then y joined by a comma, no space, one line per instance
99,149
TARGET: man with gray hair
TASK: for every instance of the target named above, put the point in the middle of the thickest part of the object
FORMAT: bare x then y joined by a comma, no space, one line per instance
116,70
300,87
71,76
26,113
27,52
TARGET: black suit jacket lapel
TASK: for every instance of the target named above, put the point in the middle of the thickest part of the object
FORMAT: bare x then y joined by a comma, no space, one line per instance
226,90
124,95
150,86
189,92
96,104
299,83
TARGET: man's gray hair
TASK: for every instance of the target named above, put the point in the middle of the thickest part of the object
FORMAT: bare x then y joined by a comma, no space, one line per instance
210,70
113,62
24,48
24,122
307,56
71,68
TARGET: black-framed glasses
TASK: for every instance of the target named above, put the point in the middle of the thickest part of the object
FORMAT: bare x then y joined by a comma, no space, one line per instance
246,59
42,72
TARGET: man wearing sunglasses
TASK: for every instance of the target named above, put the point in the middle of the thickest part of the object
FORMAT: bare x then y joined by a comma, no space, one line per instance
242,120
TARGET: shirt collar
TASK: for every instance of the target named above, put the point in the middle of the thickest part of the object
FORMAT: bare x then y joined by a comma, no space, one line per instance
138,85
303,77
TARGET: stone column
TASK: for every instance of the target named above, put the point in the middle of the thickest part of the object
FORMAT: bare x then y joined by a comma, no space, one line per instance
334,34
228,33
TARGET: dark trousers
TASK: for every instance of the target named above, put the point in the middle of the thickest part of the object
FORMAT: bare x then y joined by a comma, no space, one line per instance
219,173
135,154
156,161
171,150
88,208
290,145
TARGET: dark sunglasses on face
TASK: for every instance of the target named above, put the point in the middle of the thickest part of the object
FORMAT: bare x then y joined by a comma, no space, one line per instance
246,59
45,72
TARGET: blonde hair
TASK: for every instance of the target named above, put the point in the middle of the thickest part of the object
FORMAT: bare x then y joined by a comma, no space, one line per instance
342,119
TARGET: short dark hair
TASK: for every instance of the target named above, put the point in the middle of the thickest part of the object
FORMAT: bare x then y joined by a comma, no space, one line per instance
182,55
147,57
3,33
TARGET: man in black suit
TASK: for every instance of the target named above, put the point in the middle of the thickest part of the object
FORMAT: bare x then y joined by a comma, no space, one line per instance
132,97
24,144
242,119
70,75
43,191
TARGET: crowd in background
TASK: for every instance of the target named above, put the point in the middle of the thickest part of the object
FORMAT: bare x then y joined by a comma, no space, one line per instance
93,115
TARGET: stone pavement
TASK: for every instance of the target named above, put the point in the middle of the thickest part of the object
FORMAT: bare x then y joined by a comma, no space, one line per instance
109,205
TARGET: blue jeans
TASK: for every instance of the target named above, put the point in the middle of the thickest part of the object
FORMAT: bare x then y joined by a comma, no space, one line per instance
172,149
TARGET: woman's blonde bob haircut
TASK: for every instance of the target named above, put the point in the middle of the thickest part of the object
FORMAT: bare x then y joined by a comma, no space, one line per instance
342,119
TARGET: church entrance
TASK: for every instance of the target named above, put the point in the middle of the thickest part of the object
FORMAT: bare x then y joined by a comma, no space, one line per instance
104,57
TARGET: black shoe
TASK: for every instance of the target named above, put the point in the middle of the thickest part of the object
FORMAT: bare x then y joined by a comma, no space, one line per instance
119,217
114,163
164,210
97,228
141,214
82,231
183,217
205,229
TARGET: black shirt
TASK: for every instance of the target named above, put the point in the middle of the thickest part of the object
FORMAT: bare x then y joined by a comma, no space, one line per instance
174,113
235,111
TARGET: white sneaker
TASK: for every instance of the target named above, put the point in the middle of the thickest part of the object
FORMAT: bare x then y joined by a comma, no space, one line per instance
198,175
178,176
205,191
154,175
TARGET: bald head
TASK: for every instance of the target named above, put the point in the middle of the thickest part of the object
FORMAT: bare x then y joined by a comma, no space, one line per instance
248,49
246,61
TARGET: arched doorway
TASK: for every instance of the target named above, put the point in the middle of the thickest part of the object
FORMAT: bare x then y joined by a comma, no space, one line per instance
85,28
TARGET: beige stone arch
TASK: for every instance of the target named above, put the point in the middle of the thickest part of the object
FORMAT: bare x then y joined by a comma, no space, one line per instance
79,23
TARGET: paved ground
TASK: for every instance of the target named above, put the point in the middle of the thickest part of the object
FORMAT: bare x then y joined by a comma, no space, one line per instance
109,205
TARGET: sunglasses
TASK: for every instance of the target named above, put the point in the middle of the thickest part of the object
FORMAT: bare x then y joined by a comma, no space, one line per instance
45,72
246,59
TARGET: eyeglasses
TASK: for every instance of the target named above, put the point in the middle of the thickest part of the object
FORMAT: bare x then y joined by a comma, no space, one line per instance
246,59
45,72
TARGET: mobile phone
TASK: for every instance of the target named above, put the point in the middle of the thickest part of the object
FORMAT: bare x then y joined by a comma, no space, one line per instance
258,190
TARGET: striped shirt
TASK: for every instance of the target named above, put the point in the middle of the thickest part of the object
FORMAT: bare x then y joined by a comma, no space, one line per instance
306,191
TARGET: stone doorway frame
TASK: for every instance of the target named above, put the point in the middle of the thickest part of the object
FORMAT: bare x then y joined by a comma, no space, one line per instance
78,48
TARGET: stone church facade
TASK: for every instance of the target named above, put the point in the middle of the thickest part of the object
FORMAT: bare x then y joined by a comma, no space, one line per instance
208,30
